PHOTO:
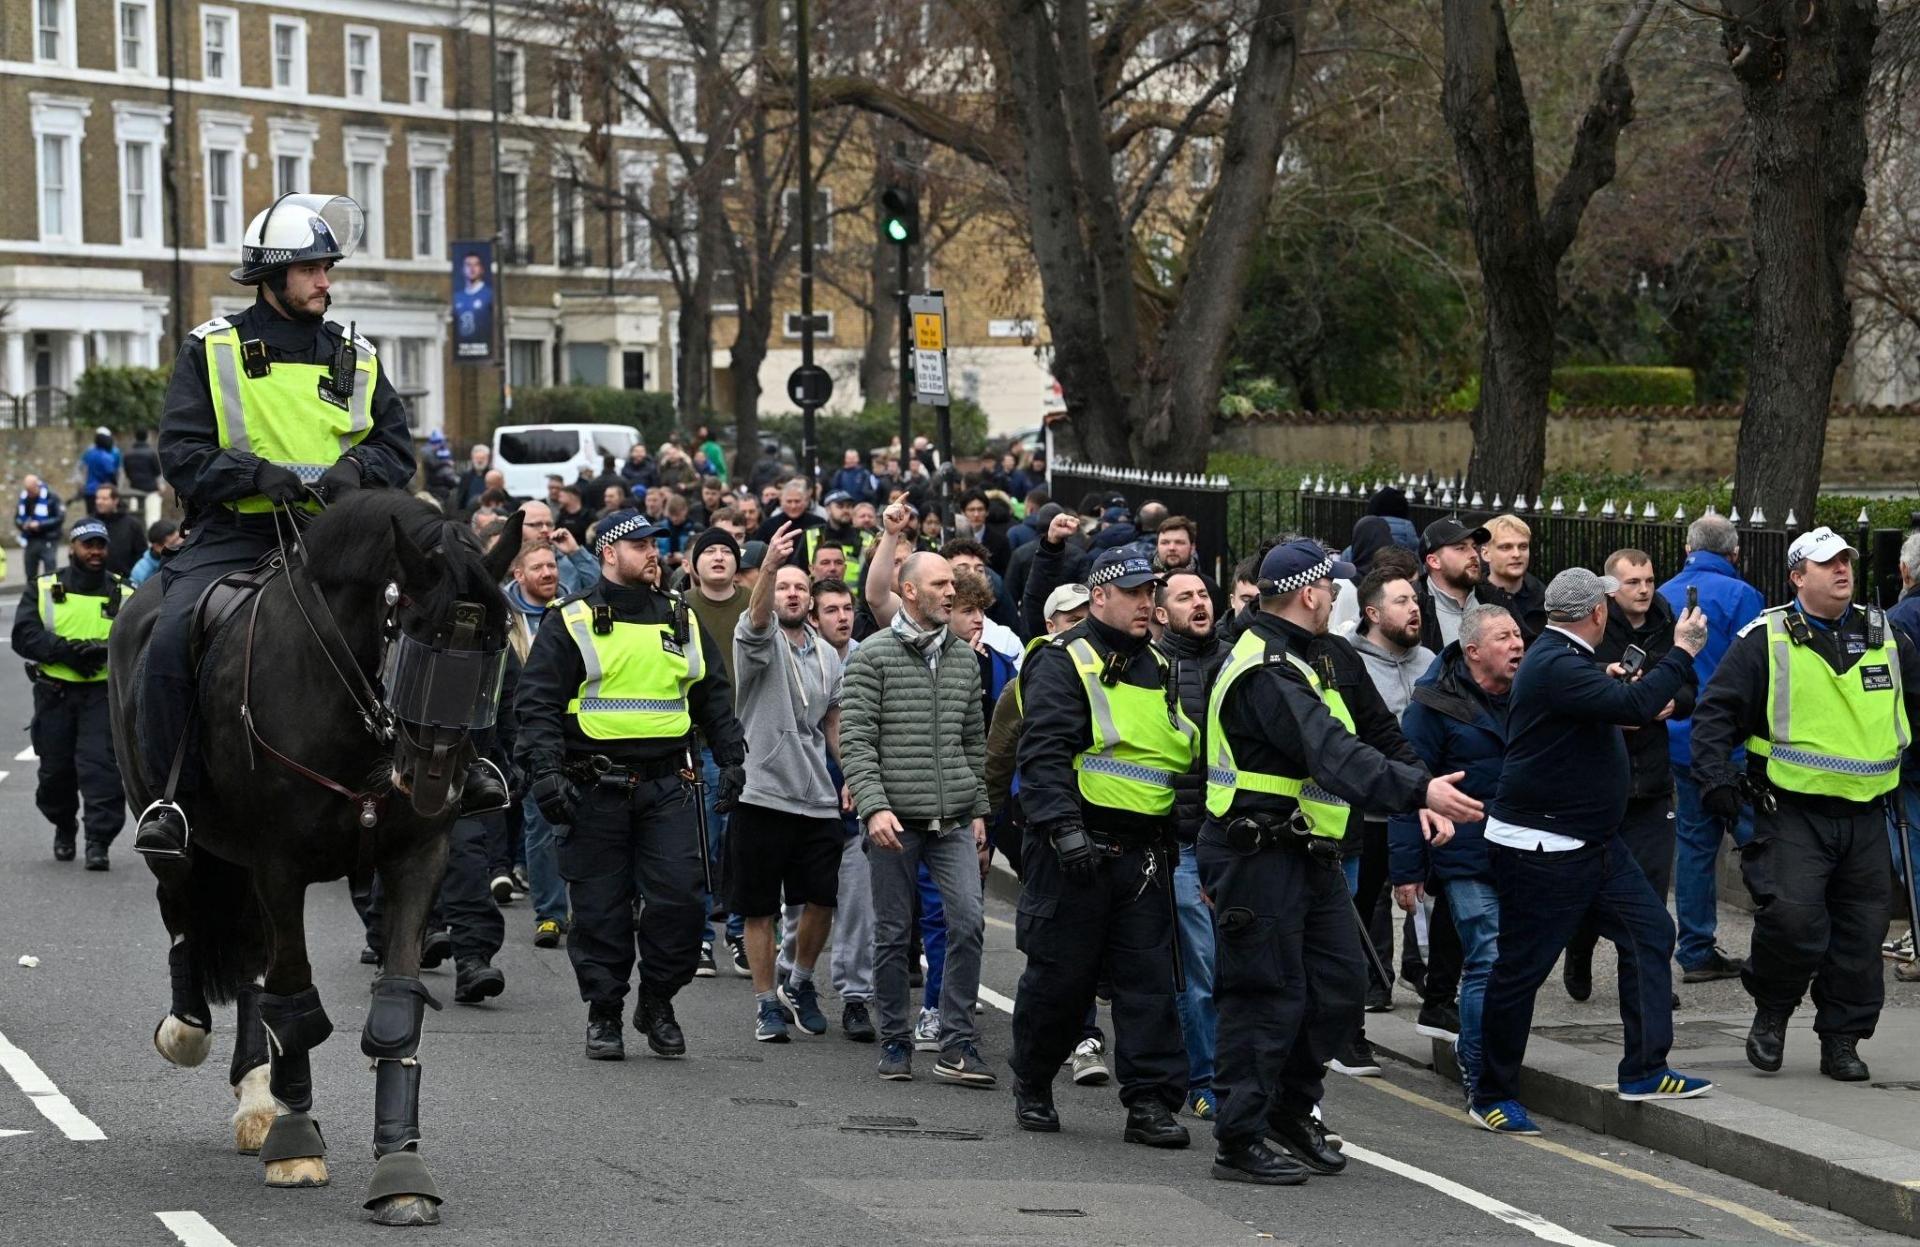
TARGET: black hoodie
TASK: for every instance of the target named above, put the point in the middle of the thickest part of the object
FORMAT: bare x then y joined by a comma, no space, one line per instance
1647,747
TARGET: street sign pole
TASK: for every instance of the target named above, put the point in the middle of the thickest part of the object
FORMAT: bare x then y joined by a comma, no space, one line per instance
809,426
929,313
906,363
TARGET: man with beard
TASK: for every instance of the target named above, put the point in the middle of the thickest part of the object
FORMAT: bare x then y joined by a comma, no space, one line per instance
795,510
839,530
1450,552
1176,549
1183,615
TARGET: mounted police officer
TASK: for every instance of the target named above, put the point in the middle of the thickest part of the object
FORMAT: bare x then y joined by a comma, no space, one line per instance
264,406
61,628
1824,698
616,681
1104,742
1284,769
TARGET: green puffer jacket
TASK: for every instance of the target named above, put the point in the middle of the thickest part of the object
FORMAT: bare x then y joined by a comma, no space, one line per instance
913,739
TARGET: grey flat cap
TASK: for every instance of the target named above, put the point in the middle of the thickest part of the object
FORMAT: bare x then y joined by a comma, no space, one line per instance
1575,592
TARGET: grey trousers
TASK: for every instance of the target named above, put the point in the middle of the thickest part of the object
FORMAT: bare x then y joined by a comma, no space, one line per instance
852,928
955,868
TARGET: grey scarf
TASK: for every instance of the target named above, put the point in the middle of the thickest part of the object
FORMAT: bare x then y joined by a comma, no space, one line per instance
924,642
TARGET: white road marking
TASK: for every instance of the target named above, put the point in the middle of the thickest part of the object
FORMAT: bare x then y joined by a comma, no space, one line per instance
193,1230
6,1133
1532,1223
994,998
4,774
46,1097
25,755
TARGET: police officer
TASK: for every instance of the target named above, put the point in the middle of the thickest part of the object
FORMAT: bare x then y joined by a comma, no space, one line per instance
1824,699
262,405
1104,741
616,680
1284,769
62,627
839,530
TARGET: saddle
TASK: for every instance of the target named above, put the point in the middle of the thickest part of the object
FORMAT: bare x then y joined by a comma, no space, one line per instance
226,598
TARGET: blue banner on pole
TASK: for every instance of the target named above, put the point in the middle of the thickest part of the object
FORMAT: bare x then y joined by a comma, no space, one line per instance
473,302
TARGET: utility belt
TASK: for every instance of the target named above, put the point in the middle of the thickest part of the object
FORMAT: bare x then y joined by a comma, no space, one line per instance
1108,844
37,676
1767,797
599,769
1265,830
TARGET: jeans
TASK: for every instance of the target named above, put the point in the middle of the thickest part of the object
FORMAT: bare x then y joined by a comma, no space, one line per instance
549,891
1910,797
955,868
1198,1018
1475,905
933,938
1695,893
736,926
42,556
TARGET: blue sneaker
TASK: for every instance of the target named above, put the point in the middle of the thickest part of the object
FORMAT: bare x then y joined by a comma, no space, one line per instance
1202,1103
896,1061
1503,1117
1666,1085
803,1001
772,1027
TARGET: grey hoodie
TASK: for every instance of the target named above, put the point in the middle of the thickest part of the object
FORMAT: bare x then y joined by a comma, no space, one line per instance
1393,674
781,695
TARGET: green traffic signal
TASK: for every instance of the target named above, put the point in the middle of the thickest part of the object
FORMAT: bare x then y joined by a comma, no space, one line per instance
896,229
900,215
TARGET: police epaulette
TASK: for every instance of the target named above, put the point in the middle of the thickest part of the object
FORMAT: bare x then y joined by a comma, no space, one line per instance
1758,621
571,598
199,332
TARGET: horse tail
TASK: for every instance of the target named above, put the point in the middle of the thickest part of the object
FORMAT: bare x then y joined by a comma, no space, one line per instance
229,938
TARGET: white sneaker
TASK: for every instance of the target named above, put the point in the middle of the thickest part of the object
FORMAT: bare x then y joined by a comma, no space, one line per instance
1900,949
1089,1065
926,1032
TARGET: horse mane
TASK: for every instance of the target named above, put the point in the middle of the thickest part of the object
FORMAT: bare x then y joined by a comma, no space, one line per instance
351,542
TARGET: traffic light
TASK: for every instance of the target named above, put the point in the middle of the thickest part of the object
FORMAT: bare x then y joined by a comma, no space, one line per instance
899,215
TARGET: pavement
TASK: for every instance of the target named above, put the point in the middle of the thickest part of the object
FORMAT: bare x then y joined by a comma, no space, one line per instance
103,1143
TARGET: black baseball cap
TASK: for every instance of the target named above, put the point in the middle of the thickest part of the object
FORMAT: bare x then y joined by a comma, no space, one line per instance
1125,567
1449,531
1297,564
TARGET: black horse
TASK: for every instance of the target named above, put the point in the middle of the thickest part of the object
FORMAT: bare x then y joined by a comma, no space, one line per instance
327,751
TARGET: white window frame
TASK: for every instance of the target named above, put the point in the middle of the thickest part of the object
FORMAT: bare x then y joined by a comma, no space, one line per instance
64,118
296,63
292,139
430,154
371,70
146,124
144,65
369,146
683,101
641,170
1203,152
516,102
64,34
433,75
564,175
822,224
229,19
516,158
574,100
225,132
790,330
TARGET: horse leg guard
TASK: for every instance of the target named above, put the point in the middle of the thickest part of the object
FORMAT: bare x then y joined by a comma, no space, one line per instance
249,1035
294,1153
392,1038
295,1025
185,1035
254,1114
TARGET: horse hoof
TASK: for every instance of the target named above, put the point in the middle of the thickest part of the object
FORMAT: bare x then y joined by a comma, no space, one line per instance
254,1117
181,1042
298,1171
406,1210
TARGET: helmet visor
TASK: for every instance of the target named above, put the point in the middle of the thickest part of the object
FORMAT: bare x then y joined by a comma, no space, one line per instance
343,216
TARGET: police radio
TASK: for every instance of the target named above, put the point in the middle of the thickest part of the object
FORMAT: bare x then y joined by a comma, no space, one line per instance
337,386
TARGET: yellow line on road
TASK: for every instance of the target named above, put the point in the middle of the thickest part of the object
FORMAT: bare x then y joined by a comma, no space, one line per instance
1753,1216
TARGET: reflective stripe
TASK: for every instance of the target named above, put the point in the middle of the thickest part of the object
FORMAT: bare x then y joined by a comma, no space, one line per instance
641,705
1780,645
580,624
224,350
359,409
1104,732
1826,762
1103,765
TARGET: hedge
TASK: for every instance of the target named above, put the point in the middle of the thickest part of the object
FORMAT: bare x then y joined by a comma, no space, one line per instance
649,411
120,398
1615,385
876,425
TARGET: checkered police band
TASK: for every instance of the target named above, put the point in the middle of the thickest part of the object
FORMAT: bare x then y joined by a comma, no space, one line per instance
1113,571
618,531
1297,581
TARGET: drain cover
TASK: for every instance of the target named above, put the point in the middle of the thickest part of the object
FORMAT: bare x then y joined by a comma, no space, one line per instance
1654,1231
753,1101
910,1132
893,1122
1052,1212
1896,1086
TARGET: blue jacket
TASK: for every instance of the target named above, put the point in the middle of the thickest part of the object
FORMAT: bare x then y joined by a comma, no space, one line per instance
857,482
1405,535
103,467
1905,615
1566,769
1729,604
144,569
38,515
1454,725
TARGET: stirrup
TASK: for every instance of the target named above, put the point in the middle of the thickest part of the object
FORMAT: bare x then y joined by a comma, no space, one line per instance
165,852
505,787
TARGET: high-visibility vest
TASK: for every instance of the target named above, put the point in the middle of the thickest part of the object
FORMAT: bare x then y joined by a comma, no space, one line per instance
855,551
77,617
281,416
1142,739
637,677
1832,734
1326,814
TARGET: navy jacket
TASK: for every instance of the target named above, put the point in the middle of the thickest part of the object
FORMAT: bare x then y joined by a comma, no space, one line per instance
1905,615
1566,768
1454,725
1729,604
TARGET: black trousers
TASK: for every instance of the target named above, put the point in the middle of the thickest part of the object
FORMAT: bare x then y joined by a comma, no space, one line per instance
1823,888
1121,922
466,893
41,556
1648,832
1288,981
626,848
73,735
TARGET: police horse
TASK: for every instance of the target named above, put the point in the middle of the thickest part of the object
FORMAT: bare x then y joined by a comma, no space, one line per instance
340,685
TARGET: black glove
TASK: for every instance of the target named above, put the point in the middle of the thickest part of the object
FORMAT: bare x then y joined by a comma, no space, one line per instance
733,782
279,484
86,657
1722,802
554,795
1077,862
343,476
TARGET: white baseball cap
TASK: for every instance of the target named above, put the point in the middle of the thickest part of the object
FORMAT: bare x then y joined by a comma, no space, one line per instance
1065,598
1821,545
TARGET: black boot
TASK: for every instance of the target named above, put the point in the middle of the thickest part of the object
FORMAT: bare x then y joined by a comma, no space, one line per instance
654,1018
96,855
1256,1163
1150,1122
1033,1107
436,948
63,844
162,832
475,980
604,1042
1577,971
1840,1061
1767,1041
483,790
1306,1138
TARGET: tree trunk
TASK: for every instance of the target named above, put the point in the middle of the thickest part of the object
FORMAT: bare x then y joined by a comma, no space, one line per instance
880,361
749,352
1803,72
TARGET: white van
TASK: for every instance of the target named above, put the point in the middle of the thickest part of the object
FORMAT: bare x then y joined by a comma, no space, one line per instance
527,454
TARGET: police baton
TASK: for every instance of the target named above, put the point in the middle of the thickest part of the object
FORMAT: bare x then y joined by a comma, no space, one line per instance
1366,944
696,781
1173,910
